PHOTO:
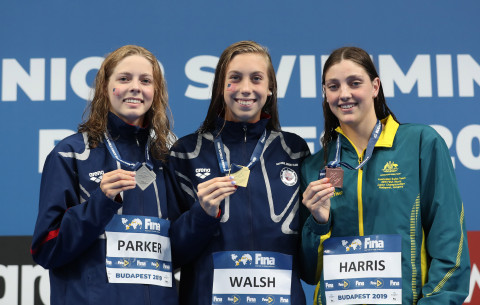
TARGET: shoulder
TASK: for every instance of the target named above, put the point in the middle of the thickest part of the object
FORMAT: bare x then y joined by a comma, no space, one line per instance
293,140
186,143
76,142
314,162
425,133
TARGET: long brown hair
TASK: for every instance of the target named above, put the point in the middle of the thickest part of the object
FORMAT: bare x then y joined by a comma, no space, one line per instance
361,58
217,102
157,117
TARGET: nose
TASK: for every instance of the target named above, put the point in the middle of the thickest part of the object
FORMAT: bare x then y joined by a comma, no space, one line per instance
135,86
245,87
345,94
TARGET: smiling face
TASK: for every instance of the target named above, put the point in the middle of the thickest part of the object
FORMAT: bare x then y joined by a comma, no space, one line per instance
350,94
246,87
131,89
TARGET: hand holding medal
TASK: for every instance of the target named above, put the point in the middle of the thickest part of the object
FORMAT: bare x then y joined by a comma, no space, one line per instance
117,181
211,193
317,199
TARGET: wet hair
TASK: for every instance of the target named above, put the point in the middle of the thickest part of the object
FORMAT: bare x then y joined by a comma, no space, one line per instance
361,58
157,118
217,102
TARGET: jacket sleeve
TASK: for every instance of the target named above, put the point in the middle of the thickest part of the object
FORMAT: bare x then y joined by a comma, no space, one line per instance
444,225
192,229
313,236
67,224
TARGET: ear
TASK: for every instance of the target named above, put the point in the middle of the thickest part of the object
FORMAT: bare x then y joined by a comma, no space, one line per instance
376,86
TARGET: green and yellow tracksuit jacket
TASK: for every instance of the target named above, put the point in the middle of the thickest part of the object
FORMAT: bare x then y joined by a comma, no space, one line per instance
408,187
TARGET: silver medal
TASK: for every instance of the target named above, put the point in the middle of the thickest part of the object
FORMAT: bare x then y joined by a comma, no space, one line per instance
144,177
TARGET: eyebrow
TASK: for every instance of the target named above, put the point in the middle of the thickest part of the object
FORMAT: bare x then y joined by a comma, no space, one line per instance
238,72
348,77
129,73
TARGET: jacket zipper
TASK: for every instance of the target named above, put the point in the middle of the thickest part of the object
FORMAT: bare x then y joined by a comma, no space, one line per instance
250,214
359,198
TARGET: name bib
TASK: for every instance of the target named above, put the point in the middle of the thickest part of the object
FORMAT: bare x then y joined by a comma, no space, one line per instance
138,250
246,277
363,269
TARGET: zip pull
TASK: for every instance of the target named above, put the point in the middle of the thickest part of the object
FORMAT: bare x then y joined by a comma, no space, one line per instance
245,131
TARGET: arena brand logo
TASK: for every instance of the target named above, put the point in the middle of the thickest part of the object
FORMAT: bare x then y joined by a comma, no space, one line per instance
31,77
202,173
96,176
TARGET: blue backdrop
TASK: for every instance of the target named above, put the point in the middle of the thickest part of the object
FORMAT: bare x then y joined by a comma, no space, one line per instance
427,53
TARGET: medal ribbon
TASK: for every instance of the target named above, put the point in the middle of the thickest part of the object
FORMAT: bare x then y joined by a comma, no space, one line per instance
112,148
222,158
368,154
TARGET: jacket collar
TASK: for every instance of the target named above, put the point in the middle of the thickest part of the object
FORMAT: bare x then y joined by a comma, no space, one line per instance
238,131
119,129
386,136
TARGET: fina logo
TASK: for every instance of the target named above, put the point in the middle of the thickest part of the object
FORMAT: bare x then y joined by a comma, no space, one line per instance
355,245
374,244
136,223
245,259
269,300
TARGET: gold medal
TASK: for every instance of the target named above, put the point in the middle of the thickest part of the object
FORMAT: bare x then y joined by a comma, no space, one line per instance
241,176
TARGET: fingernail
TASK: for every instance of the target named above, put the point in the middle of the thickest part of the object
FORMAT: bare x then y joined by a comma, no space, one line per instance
236,186
231,177
233,182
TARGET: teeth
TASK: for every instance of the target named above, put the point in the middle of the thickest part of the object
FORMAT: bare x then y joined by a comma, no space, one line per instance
245,102
346,106
133,101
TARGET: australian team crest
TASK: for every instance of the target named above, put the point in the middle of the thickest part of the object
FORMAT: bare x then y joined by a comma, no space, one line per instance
288,176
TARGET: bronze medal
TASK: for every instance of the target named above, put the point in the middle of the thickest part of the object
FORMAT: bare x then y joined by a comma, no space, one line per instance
335,174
